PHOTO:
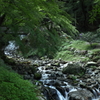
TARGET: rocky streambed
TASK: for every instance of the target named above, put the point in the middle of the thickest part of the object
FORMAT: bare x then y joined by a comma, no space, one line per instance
61,80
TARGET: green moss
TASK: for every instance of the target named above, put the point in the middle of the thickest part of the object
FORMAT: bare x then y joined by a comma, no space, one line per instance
82,45
94,45
76,44
69,56
66,51
73,77
64,55
95,51
37,75
96,58
13,87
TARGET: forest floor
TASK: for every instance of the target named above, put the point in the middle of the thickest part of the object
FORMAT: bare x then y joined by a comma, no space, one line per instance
77,50
71,50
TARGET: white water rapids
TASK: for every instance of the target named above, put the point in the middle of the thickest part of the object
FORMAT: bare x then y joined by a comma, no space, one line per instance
45,79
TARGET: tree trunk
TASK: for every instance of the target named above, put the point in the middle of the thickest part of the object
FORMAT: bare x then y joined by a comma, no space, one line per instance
2,19
2,55
84,14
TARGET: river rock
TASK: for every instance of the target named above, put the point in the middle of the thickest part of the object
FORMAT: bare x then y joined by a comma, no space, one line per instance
73,68
51,94
27,77
98,79
91,63
81,94
37,75
98,62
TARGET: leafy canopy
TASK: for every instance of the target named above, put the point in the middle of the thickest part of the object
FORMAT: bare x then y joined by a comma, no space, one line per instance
39,19
95,13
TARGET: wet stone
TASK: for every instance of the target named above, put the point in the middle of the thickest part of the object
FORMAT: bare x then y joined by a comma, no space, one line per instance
81,95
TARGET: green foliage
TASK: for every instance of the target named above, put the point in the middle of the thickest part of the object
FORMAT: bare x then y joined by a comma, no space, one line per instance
69,56
41,20
79,10
96,51
79,44
13,87
90,37
95,13
73,77
81,74
66,51
94,67
37,76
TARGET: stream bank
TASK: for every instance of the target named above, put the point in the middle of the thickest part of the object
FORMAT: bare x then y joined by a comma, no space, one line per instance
61,80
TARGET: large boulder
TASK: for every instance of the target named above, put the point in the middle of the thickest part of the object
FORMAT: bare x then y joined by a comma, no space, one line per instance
80,94
73,68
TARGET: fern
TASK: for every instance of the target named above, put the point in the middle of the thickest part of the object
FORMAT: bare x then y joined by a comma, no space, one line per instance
27,16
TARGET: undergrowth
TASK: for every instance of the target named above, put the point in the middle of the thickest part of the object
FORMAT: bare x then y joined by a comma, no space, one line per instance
66,51
13,87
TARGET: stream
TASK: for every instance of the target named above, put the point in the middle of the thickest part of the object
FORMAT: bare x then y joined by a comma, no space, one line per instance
55,80
59,86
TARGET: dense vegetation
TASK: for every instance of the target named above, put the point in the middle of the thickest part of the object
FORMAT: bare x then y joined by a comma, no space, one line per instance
13,87
44,22
50,28
41,21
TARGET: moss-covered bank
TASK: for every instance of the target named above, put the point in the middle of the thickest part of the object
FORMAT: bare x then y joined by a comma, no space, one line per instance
76,50
13,87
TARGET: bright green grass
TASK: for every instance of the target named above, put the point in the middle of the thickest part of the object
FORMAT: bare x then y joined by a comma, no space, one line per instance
13,87
66,54
82,45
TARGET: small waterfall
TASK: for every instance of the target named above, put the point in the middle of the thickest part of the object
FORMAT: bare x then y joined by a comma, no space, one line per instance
96,93
11,48
61,97
47,82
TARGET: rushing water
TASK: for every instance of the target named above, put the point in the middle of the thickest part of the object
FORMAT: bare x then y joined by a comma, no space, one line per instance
10,50
45,79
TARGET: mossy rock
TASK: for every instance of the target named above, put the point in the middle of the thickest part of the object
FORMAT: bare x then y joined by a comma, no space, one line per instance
37,75
73,68
96,52
95,45
33,69
10,61
91,64
96,58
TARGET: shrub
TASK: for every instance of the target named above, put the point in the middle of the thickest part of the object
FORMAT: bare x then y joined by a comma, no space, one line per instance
13,87
90,37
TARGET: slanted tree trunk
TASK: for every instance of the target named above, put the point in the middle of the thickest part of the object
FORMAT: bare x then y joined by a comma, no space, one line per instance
3,56
2,43
2,19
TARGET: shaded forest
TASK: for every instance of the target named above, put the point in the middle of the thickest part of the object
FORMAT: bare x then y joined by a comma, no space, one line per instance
45,22
45,29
